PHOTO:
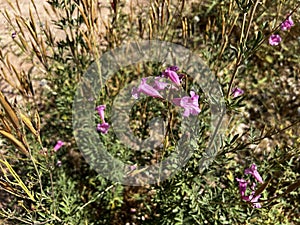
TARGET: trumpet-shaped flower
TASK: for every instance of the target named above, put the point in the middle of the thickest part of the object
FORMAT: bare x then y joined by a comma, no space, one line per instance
253,171
190,104
249,198
274,39
145,89
100,109
58,145
287,24
103,127
254,201
172,75
160,85
242,186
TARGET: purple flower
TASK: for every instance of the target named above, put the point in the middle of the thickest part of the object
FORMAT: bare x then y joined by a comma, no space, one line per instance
254,201
159,85
249,198
103,127
13,35
100,110
133,210
236,92
242,186
58,145
287,24
173,68
145,89
172,75
253,186
190,104
181,76
253,171
274,39
133,167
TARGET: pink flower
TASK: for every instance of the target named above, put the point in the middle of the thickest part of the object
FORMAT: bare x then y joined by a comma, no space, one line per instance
236,92
13,35
133,210
133,167
58,145
190,104
100,110
242,186
173,68
172,75
253,171
249,198
274,39
103,127
145,89
254,201
287,24
159,85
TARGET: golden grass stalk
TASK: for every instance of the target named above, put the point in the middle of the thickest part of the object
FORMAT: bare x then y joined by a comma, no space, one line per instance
15,141
17,178
11,115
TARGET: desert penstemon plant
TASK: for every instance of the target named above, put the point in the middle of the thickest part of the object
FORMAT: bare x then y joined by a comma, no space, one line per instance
76,195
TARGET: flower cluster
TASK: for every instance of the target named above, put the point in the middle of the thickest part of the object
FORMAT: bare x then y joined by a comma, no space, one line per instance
243,186
188,103
104,126
275,39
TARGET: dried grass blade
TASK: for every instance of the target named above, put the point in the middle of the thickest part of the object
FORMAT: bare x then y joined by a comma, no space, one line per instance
84,17
6,125
28,124
86,40
20,21
12,116
4,75
11,5
18,179
15,141
37,121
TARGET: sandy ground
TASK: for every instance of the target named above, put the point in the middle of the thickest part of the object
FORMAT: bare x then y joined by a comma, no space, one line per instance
7,32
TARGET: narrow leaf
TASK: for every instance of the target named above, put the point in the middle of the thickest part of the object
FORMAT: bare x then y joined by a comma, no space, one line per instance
12,116
28,124
18,179
262,187
292,187
15,141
